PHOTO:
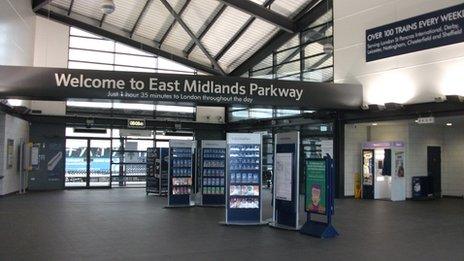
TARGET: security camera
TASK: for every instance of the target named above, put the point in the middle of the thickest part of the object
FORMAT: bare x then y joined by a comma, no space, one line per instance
107,6
328,48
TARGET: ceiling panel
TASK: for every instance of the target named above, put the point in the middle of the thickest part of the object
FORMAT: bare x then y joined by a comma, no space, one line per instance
64,4
125,14
250,42
224,29
199,12
89,8
178,38
157,20
288,8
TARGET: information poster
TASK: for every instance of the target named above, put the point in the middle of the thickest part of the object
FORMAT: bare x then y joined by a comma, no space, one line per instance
399,163
283,176
316,189
9,153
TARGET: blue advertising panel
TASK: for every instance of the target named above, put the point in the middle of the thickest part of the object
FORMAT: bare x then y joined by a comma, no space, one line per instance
435,29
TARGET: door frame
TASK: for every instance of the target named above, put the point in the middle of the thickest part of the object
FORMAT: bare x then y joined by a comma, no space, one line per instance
88,158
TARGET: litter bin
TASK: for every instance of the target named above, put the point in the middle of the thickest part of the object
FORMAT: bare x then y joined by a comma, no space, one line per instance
422,187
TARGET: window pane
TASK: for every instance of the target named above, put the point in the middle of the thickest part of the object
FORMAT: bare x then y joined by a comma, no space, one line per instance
90,56
164,64
127,59
319,61
133,69
92,44
322,75
283,113
288,69
169,108
239,115
267,62
260,113
121,48
288,55
134,106
78,32
89,66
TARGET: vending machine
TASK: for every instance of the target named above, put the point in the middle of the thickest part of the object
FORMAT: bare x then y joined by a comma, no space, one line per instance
180,182
243,179
213,172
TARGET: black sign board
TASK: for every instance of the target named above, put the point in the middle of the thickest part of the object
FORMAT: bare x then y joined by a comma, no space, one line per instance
136,124
435,29
62,84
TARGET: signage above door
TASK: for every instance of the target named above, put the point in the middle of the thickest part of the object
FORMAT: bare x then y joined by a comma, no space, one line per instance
136,124
61,84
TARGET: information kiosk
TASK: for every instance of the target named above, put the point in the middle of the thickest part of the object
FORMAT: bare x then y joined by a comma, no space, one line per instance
286,181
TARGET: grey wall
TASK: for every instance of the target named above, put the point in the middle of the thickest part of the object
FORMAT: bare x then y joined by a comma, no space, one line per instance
18,31
17,130
51,138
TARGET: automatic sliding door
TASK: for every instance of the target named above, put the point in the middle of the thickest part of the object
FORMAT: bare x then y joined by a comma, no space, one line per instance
100,164
76,163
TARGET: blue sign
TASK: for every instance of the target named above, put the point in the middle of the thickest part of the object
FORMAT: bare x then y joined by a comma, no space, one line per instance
435,29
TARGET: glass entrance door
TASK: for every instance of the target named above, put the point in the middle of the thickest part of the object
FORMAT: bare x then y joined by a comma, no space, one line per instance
100,163
87,163
76,163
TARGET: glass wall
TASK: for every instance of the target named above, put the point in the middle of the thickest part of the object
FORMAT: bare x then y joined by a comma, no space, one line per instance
90,51
303,58
111,158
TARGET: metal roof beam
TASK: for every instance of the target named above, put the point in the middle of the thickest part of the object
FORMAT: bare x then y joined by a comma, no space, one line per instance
303,20
192,44
239,33
38,4
259,11
139,18
70,7
165,35
102,20
116,34
192,35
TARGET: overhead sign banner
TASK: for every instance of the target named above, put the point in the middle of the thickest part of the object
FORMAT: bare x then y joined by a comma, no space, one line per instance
435,29
60,84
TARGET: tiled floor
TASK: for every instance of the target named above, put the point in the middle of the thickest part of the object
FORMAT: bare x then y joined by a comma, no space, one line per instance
125,224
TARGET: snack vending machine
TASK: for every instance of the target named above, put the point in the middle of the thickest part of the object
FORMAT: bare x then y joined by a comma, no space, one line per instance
213,168
383,170
243,179
180,180
368,174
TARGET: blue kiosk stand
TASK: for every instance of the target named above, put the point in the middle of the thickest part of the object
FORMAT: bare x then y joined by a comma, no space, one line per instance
285,196
319,197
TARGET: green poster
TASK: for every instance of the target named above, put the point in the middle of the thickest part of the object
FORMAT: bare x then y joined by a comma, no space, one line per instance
316,190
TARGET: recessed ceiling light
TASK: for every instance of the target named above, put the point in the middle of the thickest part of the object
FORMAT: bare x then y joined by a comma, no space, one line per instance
375,124
449,124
